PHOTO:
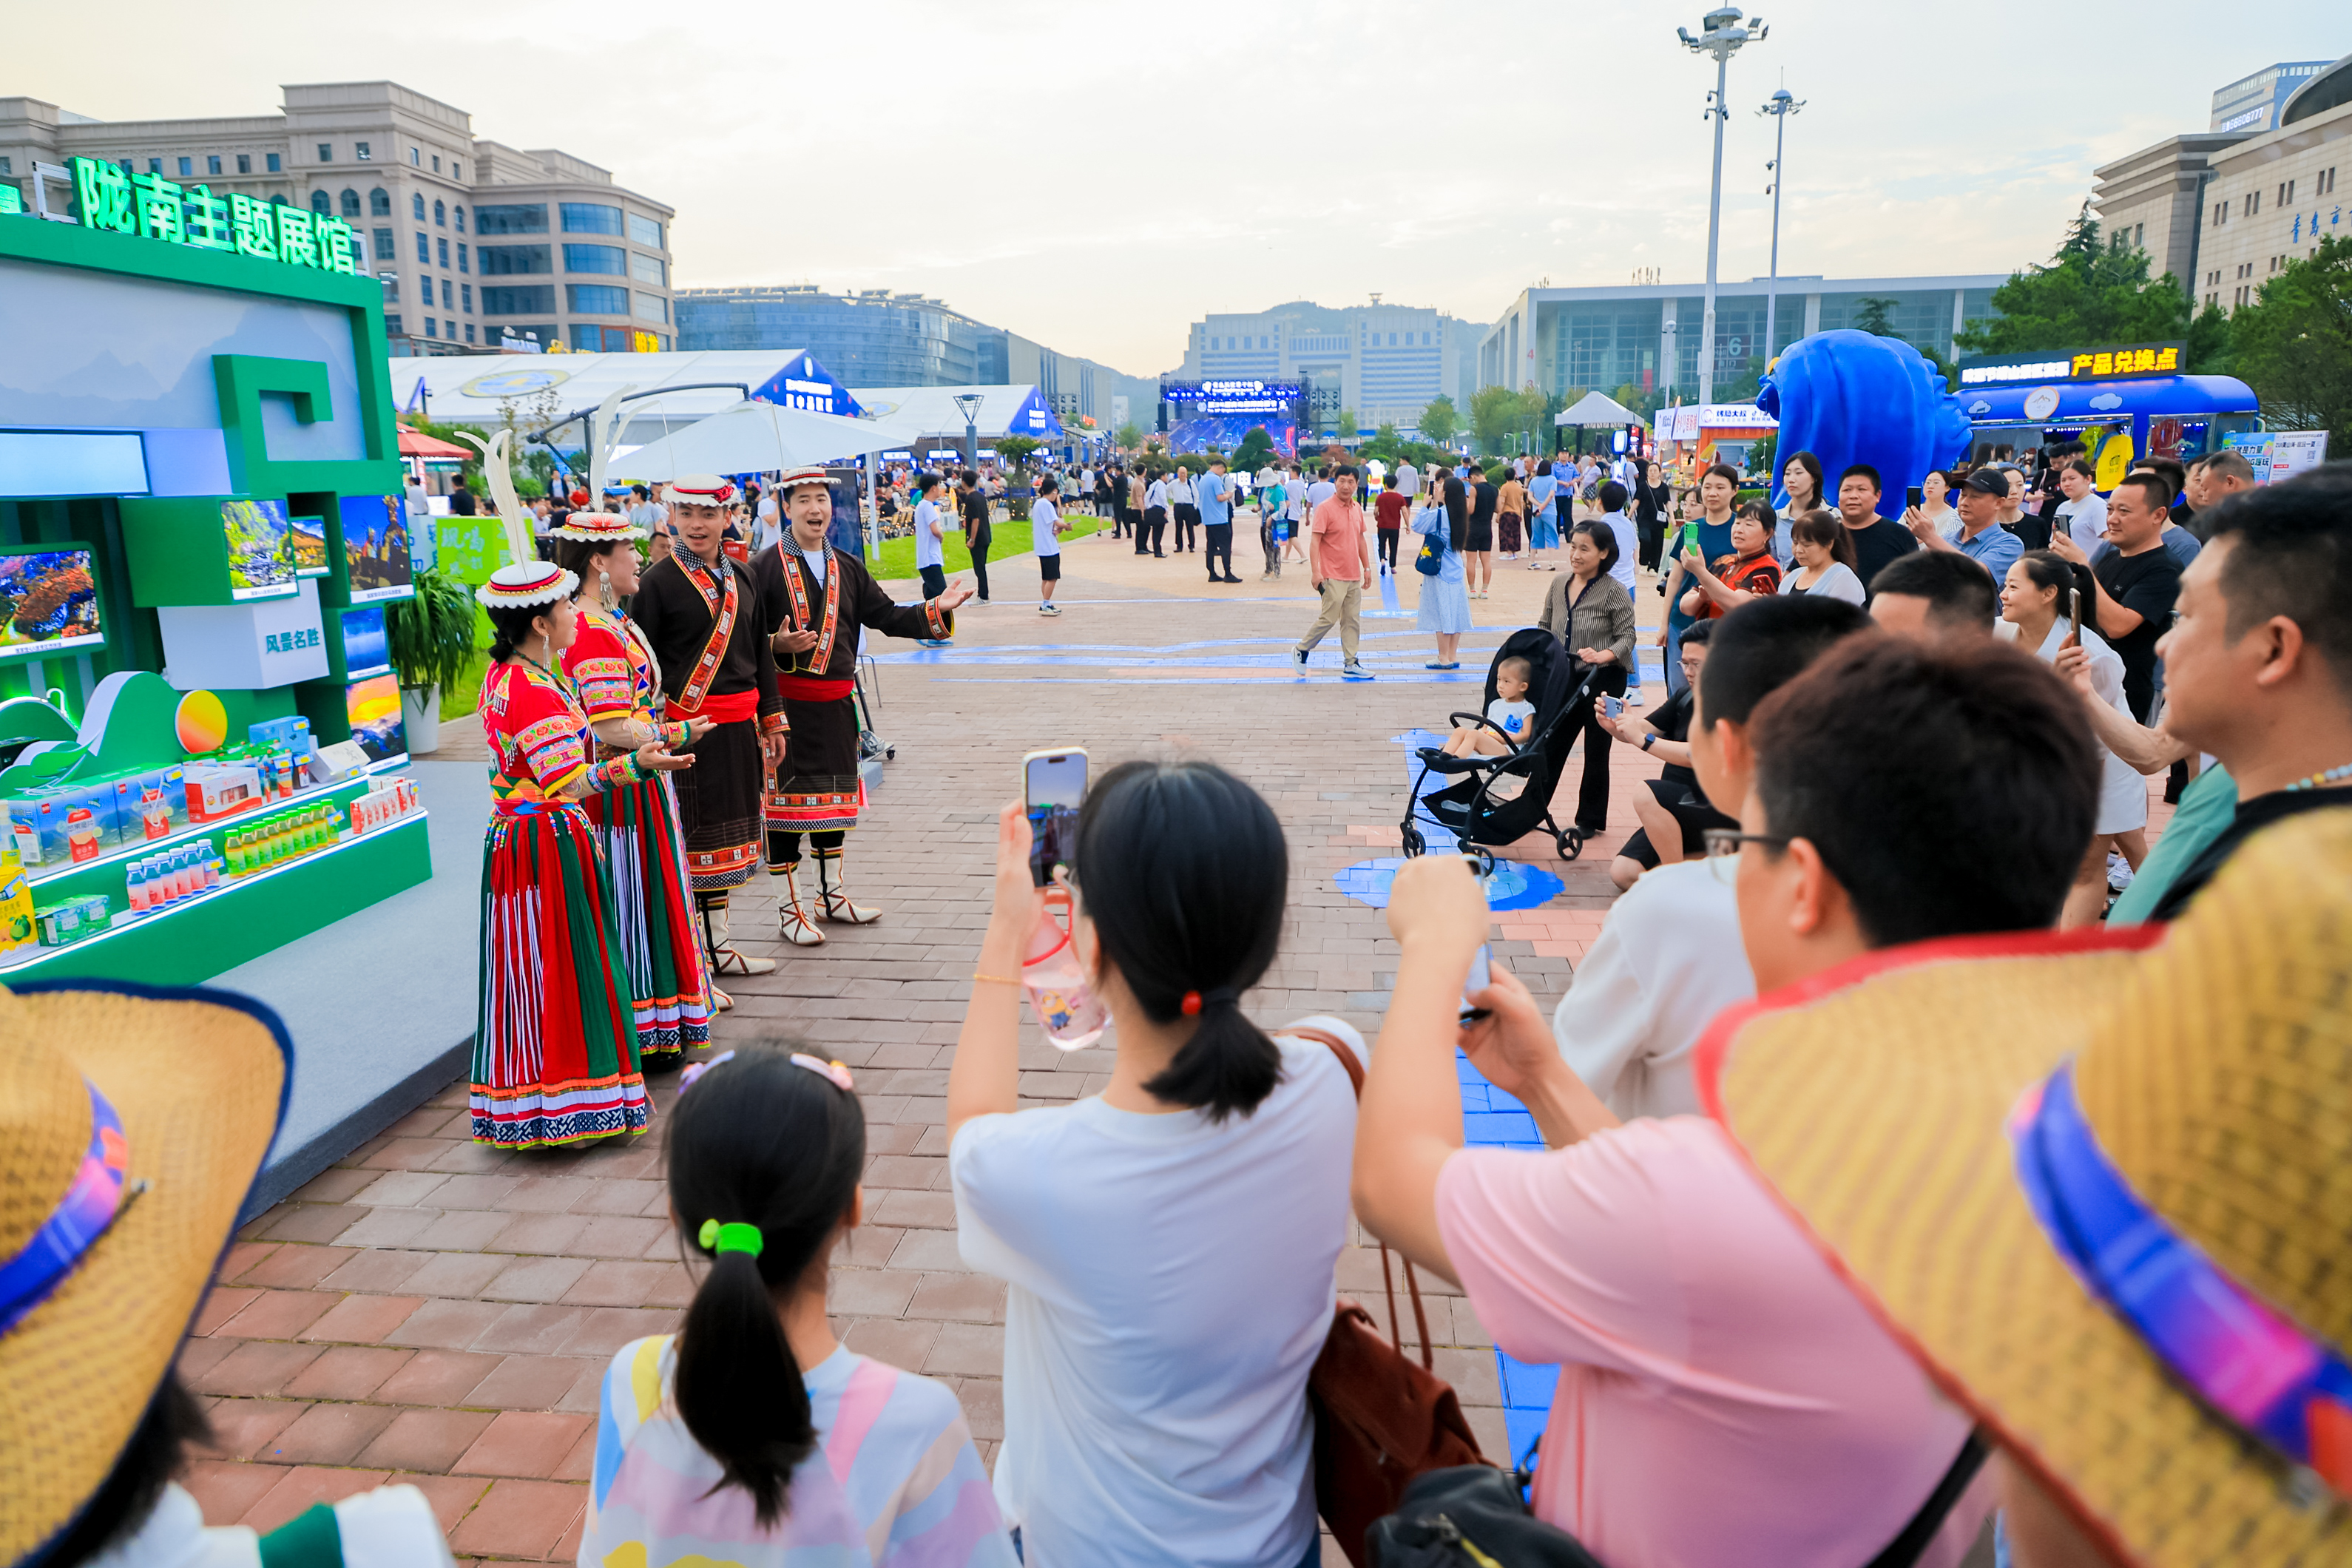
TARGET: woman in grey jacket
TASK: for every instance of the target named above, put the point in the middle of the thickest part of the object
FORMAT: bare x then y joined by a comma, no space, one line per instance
1593,615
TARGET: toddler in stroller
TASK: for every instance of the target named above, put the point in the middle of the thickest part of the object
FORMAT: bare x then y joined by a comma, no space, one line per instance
1508,717
1505,792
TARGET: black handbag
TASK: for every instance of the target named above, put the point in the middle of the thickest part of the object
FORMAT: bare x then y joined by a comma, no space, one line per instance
1469,1517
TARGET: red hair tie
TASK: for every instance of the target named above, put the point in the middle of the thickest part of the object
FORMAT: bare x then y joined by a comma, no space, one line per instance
1191,1004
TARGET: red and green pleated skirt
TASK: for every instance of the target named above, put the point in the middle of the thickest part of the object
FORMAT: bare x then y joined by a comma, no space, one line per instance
555,1040
652,908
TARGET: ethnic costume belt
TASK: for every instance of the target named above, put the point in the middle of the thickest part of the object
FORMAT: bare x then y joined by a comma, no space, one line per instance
814,688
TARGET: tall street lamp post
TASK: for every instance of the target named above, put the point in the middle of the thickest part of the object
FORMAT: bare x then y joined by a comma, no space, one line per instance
1779,106
969,403
1721,33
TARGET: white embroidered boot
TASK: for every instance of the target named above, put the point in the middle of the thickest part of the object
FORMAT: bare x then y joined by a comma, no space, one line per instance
835,898
798,920
726,958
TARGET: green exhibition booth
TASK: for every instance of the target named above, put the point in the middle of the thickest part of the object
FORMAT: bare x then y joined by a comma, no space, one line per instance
202,525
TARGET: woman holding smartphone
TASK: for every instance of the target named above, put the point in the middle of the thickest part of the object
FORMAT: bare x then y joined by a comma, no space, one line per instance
1170,1244
2042,598
1593,615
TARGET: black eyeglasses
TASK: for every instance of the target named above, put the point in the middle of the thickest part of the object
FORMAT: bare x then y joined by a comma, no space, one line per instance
1723,851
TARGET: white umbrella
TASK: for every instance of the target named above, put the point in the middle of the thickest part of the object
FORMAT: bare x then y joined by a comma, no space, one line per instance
759,437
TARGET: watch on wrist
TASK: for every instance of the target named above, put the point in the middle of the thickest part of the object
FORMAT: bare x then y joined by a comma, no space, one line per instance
1647,740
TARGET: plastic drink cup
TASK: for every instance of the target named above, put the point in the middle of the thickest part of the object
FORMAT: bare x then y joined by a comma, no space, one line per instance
1060,992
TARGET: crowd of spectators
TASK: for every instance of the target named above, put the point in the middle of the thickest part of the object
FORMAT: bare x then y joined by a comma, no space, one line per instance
1845,1137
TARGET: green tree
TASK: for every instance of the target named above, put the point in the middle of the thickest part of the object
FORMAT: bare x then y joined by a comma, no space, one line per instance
1877,317
1256,451
2294,344
1440,421
1496,413
1014,450
2090,292
1128,436
1347,424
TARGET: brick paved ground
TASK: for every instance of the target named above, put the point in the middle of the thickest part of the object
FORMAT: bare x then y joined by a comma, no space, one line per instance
440,1313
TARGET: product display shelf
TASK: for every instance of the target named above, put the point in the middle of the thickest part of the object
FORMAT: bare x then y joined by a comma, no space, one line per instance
108,873
239,918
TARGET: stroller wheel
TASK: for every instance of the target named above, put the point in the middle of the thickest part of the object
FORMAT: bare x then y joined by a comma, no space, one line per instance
1571,843
1413,841
1482,862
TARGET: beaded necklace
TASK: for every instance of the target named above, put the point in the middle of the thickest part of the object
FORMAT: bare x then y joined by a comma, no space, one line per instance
2331,776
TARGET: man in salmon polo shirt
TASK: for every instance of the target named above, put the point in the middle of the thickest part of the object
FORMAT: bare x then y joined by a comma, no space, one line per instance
1339,555
1723,1398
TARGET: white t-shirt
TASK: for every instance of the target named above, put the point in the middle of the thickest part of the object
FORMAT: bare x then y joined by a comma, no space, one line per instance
1668,960
1172,1284
1180,492
1408,480
928,538
1838,582
2086,520
1042,519
1514,717
1627,544
1320,491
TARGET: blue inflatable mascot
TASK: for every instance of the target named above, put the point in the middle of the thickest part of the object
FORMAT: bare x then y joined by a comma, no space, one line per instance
1852,397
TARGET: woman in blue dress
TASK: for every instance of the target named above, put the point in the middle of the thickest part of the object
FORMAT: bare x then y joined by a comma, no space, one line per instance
1444,606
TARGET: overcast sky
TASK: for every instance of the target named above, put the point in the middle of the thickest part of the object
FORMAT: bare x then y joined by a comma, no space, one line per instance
1097,176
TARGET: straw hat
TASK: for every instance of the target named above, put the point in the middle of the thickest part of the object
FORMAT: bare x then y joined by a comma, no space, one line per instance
526,583
197,1082
1919,1110
697,489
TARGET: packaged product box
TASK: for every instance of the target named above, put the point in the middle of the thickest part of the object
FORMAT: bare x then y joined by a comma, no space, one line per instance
37,825
91,827
15,901
216,790
163,805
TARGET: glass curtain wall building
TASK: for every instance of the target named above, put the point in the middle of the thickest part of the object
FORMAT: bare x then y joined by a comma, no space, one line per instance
1647,337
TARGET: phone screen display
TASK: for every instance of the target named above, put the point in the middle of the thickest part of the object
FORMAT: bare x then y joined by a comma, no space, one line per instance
1913,496
1053,782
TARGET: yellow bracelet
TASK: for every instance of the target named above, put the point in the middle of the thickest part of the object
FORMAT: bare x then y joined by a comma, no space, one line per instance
997,979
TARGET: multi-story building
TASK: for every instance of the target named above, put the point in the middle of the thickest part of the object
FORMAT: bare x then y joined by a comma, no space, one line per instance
2269,199
1382,362
873,337
1647,336
2153,199
2250,105
473,240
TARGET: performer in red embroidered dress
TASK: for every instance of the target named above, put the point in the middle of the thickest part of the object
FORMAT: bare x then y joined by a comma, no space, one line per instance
644,852
701,614
555,1053
813,600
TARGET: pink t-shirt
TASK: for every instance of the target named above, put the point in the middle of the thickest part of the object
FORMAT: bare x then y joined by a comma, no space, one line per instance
1722,1397
1338,530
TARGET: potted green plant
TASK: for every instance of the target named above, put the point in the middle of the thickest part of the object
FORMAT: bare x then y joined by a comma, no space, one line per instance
432,642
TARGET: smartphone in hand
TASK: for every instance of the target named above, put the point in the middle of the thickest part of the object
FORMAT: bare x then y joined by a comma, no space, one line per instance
1612,707
1912,497
1052,784
1479,980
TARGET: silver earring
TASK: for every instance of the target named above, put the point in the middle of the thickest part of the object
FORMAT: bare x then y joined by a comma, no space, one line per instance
605,591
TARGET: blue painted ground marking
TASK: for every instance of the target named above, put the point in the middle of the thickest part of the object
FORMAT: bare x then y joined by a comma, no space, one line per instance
1513,886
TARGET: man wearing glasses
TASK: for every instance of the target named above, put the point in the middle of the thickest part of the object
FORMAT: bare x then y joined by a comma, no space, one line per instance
1668,957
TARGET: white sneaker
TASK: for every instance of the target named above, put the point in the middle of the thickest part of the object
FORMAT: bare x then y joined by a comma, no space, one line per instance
1299,660
2119,872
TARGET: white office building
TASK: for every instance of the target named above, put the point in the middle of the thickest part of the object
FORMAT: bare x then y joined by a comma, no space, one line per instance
1382,362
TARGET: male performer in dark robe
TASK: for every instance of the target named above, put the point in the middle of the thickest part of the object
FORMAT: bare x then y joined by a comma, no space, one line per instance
699,609
813,600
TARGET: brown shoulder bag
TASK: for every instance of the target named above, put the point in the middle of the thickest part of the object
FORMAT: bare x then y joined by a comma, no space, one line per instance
1380,1420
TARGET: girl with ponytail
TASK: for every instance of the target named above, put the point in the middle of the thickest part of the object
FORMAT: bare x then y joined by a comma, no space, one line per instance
752,1435
1170,1243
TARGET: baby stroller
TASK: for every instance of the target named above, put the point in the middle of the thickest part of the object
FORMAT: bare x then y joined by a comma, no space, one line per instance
1470,809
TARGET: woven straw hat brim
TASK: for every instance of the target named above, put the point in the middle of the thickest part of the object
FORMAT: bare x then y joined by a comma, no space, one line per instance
1874,1100
199,1078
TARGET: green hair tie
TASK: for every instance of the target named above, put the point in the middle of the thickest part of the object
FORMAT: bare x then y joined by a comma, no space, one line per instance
737,1237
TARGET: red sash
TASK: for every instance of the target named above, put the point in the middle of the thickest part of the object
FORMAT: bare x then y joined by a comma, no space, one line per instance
817,658
720,602
814,688
730,708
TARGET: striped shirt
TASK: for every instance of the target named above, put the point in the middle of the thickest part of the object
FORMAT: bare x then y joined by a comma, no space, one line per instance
895,1482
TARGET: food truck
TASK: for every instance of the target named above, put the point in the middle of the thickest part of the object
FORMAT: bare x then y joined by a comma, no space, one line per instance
2121,401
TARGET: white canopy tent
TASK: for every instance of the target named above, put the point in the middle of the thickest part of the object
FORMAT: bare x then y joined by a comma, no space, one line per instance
759,437
1009,410
1596,408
